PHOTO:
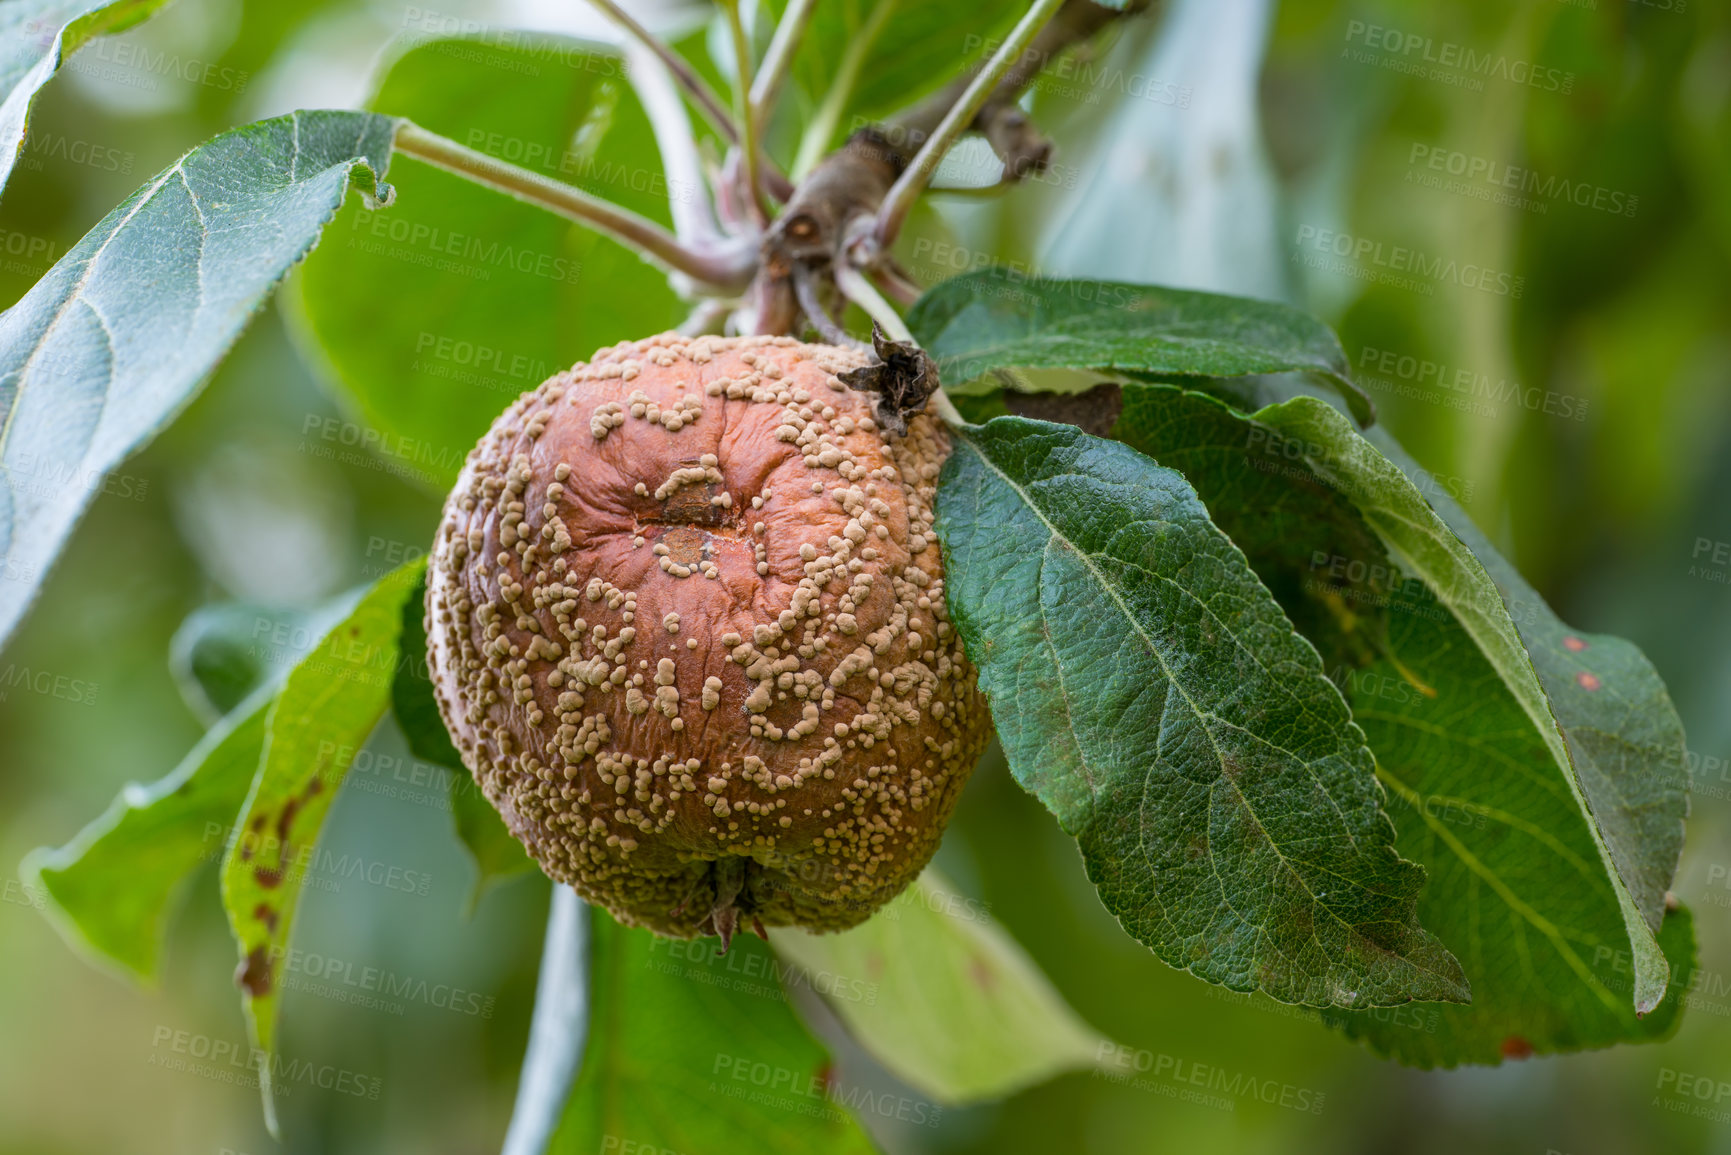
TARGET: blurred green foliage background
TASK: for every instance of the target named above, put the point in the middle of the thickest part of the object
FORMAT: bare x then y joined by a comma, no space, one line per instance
1227,146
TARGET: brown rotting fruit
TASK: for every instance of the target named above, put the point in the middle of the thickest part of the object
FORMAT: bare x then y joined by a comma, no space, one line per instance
686,624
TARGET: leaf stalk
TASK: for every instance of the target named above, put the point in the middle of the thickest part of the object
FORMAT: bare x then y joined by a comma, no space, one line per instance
956,121
720,269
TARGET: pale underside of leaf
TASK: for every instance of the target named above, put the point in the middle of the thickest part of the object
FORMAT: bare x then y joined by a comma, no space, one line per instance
558,1028
118,336
36,38
949,1003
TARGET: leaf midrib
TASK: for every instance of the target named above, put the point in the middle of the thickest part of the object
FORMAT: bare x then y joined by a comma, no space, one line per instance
1154,650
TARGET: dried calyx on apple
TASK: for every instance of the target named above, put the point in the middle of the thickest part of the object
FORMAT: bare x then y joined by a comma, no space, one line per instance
686,624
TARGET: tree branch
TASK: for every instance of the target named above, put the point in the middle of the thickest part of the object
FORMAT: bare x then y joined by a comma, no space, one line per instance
766,85
957,120
1075,22
855,179
743,113
815,141
693,84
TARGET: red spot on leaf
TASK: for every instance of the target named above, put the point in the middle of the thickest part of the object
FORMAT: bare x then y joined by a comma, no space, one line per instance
254,975
1587,681
266,915
1574,644
1516,1047
268,878
825,1075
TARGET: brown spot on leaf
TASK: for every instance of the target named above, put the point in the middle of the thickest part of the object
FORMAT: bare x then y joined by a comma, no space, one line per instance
254,975
286,819
1574,644
246,844
268,878
982,974
1517,1047
1587,681
266,915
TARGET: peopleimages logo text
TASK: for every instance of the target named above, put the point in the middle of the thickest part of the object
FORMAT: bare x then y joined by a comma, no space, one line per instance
1417,49
1410,264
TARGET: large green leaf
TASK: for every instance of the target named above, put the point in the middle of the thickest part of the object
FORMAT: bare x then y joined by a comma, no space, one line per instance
36,38
997,319
947,1001
119,335
327,707
431,319
1520,881
690,1052
497,856
1149,690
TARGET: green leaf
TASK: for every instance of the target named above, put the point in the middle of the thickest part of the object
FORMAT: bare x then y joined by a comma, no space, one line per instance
432,318
690,1052
327,707
1428,548
497,855
1618,723
997,319
945,999
36,37
1520,879
1149,691
119,335
117,883
412,690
